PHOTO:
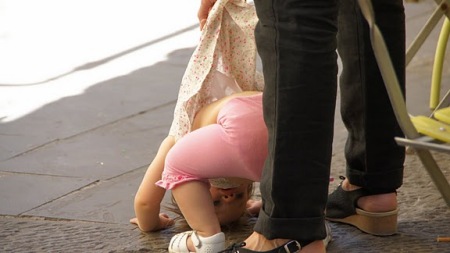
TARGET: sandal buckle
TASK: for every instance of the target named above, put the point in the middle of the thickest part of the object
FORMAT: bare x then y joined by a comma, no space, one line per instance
292,247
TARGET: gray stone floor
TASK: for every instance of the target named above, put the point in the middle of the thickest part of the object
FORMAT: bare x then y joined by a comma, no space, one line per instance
69,169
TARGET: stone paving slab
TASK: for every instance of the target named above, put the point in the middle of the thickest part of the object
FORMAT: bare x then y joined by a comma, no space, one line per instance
107,201
22,192
119,148
102,153
99,105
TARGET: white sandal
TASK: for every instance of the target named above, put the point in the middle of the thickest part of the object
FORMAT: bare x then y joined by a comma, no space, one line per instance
215,243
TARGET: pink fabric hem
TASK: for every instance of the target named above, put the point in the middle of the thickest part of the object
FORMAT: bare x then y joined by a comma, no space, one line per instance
169,182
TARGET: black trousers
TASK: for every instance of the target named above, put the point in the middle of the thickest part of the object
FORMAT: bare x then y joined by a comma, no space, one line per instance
297,42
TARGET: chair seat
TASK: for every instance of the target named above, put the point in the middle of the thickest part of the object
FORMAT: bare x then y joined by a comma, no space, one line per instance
443,115
432,127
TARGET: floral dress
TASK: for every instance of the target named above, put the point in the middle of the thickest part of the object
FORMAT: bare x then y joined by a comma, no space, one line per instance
223,63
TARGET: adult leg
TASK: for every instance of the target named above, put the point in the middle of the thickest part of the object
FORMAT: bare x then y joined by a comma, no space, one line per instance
297,41
374,160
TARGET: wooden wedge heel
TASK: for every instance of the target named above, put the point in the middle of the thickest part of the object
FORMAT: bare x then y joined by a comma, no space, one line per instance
342,207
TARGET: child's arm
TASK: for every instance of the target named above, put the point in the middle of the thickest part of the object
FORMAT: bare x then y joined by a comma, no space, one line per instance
148,198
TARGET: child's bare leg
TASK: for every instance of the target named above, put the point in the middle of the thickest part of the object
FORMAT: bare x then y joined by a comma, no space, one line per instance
196,204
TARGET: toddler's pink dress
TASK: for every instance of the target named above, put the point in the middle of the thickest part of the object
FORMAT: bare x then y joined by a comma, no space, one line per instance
234,147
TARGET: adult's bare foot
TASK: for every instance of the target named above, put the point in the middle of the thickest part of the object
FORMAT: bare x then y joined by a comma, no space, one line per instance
373,203
258,242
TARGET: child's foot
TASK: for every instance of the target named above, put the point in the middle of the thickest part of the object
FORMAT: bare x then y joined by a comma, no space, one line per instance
191,242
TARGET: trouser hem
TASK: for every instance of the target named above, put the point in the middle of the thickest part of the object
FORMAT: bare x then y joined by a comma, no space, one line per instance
308,229
377,183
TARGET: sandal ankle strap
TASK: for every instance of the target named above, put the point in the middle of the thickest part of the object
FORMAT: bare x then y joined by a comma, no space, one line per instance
215,242
289,247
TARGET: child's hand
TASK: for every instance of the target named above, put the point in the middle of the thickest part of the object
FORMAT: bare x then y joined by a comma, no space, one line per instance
134,221
253,206
165,221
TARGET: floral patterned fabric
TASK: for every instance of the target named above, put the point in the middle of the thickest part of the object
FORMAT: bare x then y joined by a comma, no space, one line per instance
223,63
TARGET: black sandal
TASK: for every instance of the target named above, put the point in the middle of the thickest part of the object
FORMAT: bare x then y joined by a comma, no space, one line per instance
342,207
289,247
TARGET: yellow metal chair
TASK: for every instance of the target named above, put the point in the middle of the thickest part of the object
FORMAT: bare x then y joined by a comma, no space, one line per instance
423,133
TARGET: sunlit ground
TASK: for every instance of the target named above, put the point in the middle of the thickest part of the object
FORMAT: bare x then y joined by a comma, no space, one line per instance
50,49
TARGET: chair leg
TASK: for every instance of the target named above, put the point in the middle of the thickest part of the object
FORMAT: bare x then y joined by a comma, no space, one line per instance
439,56
435,173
